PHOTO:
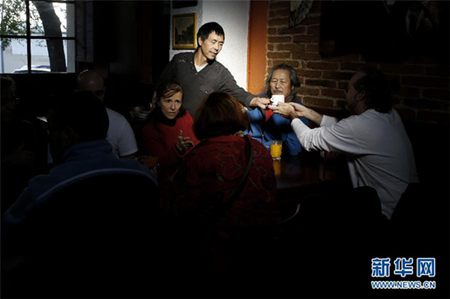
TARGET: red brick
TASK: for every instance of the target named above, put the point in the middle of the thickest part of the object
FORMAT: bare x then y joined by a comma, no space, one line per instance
310,74
343,85
318,102
402,68
294,63
278,22
291,47
315,8
332,92
406,114
292,31
308,56
437,70
279,12
426,104
409,92
425,81
272,31
279,39
270,47
314,29
309,91
441,118
442,94
323,65
283,55
337,75
352,66
278,4
324,83
305,38
347,58
313,47
311,20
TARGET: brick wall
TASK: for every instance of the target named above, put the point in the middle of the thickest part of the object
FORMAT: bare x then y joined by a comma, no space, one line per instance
423,91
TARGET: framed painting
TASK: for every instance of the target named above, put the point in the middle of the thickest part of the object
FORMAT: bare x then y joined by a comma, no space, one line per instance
183,31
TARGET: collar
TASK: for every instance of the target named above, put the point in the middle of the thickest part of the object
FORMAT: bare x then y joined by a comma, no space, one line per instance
90,148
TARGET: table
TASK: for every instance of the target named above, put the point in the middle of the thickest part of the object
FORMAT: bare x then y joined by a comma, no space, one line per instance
299,176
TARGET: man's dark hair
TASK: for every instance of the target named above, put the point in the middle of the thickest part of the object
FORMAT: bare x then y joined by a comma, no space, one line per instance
295,81
377,90
206,29
84,113
220,114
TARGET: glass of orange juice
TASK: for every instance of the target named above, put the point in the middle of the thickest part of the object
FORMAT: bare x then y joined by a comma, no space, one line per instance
275,149
277,167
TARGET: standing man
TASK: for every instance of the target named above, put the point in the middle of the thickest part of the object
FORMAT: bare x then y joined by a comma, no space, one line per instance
199,73
379,153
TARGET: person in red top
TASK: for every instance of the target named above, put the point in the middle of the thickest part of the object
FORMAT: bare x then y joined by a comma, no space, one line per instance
168,133
216,200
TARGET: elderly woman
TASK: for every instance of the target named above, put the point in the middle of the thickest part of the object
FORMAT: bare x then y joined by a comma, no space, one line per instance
266,125
168,133
227,182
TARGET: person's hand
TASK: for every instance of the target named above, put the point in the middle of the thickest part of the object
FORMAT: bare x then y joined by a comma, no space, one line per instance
183,143
284,109
304,111
260,102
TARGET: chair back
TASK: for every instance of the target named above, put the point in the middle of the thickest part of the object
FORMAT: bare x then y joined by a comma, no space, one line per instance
96,233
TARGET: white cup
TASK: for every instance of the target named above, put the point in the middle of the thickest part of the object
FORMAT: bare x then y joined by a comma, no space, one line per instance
277,98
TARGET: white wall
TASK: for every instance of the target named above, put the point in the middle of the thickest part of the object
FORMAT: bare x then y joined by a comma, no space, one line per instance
234,17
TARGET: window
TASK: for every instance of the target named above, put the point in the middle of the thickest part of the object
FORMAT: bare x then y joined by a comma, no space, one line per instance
37,36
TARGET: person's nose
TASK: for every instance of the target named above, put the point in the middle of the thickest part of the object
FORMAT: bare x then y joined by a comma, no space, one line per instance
172,106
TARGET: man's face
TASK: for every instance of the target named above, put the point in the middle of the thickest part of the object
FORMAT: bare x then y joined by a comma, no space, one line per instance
211,46
353,96
170,106
281,83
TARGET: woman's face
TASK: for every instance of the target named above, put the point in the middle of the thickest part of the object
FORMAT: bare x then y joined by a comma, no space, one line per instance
281,83
170,106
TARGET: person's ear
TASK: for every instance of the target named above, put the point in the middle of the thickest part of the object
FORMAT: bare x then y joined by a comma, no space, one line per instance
199,41
361,95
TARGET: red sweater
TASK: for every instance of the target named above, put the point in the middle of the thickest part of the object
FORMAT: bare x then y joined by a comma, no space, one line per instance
215,167
159,138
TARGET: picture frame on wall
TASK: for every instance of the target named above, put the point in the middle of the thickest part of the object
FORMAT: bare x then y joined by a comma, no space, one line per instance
299,9
184,28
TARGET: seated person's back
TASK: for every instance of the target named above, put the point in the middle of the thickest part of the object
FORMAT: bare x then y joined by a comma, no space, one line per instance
78,147
119,134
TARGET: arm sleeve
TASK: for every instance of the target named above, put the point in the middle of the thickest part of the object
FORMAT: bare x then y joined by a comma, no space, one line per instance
155,146
338,137
127,141
280,121
255,115
230,85
292,143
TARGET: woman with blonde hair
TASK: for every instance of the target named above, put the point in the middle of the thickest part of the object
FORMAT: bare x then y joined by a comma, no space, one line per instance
168,134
